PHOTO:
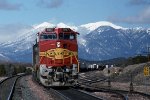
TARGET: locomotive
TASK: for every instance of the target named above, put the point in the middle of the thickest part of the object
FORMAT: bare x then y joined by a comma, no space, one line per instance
55,57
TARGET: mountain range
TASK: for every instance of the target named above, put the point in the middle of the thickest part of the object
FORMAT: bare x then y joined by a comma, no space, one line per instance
97,41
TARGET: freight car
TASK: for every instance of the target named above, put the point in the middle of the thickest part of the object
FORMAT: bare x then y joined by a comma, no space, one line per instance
55,57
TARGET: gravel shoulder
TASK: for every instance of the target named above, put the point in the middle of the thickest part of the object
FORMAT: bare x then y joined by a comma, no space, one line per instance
31,90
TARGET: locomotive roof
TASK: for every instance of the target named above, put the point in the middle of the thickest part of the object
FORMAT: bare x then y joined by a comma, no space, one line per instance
57,30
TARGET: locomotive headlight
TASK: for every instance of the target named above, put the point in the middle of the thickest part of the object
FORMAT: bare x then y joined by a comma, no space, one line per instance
49,67
58,44
43,69
43,65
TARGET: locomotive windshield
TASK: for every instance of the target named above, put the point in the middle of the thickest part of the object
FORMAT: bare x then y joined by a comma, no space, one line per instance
67,36
48,36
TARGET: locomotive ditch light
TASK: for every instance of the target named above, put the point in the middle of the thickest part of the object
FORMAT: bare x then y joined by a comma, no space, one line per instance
43,65
49,29
49,67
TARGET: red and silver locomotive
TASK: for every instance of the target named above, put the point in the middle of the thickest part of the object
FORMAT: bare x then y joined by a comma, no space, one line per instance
55,57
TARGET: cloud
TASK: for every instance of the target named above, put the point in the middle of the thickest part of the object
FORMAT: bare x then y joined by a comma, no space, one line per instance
50,3
142,17
5,5
139,2
9,31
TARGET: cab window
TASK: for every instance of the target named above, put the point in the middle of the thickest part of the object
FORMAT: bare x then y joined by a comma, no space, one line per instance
67,36
61,36
72,36
48,36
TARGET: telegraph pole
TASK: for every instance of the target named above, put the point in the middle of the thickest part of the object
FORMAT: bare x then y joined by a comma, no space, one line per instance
131,83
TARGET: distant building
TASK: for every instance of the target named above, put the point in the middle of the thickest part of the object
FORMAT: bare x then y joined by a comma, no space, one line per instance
106,66
112,66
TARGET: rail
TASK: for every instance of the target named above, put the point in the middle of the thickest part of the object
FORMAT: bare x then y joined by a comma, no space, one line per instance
9,95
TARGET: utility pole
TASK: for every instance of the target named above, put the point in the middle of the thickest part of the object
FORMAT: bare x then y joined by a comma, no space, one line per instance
131,83
109,81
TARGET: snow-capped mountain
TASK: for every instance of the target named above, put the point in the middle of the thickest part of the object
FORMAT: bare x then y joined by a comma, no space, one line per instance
93,26
4,58
87,28
97,41
106,42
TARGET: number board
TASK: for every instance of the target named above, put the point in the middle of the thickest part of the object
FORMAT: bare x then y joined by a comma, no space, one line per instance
146,70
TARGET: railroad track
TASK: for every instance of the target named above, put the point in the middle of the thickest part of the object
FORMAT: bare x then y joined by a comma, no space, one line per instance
84,93
7,87
68,93
73,94
116,94
90,81
132,94
122,94
125,95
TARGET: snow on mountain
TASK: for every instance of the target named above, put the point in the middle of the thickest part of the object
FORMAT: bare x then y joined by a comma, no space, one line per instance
92,26
43,25
112,43
62,25
4,58
103,41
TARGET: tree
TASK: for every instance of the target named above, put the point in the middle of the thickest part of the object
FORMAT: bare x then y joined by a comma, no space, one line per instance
139,59
2,70
19,69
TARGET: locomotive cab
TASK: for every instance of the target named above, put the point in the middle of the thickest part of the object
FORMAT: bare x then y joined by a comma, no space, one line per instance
55,57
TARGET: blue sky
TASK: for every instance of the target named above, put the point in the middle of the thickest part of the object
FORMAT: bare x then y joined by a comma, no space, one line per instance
22,14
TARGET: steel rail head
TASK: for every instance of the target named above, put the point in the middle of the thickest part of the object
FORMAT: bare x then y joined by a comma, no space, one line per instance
10,77
4,80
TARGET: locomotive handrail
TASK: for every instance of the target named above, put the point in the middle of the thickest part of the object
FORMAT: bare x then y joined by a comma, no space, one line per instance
77,61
